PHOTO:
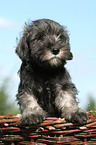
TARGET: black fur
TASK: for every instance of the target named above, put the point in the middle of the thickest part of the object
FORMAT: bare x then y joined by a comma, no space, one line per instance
45,85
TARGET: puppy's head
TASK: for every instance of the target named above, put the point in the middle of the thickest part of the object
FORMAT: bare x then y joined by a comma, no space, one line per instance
45,42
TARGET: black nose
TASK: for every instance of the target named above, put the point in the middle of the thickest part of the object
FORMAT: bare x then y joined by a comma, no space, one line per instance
55,51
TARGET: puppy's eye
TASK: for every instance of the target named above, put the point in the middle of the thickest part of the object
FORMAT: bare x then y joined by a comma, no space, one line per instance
62,37
40,37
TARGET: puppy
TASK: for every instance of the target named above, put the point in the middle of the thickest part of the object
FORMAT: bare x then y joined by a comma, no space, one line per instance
45,85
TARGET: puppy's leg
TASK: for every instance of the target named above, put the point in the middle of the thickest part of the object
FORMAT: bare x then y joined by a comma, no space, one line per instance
67,104
31,111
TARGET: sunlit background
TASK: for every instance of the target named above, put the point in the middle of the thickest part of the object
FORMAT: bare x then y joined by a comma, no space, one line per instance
80,18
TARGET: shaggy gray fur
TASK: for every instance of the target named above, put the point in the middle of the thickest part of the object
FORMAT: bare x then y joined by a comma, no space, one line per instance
45,85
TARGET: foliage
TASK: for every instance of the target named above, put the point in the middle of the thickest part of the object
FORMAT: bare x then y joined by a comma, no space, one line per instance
6,105
92,104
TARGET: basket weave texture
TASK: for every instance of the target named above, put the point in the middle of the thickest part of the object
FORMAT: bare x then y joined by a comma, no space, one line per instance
53,131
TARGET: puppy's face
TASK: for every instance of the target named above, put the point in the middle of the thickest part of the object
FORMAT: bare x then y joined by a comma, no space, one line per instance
46,43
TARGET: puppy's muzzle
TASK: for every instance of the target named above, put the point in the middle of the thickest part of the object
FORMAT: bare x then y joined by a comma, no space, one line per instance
55,51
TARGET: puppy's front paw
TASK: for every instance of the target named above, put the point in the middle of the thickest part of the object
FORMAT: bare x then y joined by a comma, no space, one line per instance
29,118
80,116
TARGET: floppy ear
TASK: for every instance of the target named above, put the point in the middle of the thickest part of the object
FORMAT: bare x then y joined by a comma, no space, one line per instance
70,56
22,49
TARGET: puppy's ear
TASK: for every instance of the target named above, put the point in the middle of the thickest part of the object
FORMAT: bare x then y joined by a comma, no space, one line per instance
70,57
22,49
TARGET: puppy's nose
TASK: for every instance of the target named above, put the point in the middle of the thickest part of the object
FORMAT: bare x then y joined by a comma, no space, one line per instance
55,51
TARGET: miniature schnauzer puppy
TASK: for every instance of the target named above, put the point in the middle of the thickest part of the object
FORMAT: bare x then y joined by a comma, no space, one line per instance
45,85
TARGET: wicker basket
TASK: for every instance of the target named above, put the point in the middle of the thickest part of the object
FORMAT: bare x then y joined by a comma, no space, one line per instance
53,131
